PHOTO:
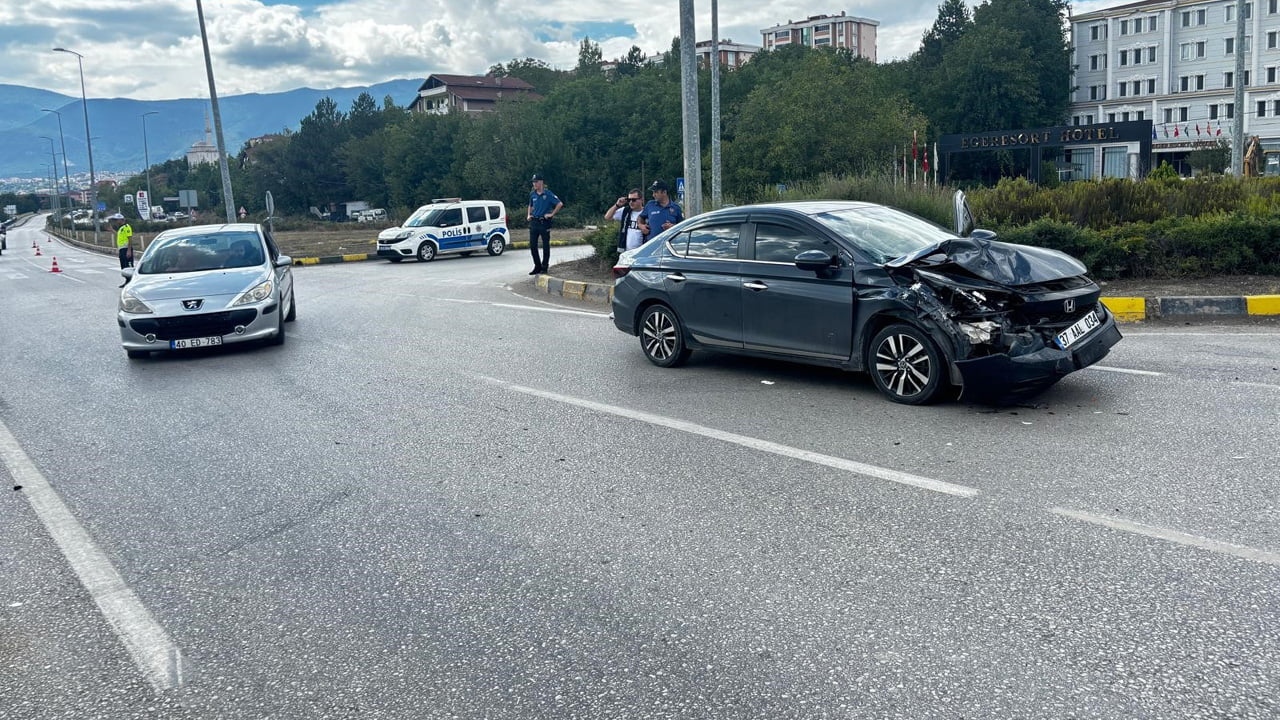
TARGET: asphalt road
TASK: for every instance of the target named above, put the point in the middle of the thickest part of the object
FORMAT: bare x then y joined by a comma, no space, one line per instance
445,498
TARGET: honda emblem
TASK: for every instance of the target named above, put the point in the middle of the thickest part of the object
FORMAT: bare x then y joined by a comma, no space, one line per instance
192,304
1069,305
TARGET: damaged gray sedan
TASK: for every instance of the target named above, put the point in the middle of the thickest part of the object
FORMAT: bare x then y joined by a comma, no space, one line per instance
865,287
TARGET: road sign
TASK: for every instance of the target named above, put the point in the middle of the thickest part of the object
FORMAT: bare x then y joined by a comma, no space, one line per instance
144,205
102,207
680,185
10,209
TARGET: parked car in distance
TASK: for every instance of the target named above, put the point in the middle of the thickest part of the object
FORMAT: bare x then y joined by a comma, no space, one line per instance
178,215
448,226
865,287
376,215
204,286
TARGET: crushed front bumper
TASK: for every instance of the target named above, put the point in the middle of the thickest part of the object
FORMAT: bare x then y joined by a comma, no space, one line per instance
1003,379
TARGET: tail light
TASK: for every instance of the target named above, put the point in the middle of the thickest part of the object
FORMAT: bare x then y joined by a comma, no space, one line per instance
623,266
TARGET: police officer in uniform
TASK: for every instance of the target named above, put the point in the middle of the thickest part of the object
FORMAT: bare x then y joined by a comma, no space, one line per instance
124,237
543,205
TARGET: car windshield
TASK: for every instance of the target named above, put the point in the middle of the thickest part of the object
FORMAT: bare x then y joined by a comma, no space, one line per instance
212,251
884,233
426,216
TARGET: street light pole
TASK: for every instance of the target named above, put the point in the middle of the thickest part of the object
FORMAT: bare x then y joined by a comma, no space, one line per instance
55,205
62,139
217,121
146,157
88,141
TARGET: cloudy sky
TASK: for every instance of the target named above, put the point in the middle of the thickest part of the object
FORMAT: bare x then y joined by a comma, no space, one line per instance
150,49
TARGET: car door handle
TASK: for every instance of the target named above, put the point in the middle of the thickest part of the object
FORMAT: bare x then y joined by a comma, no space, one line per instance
753,285
676,277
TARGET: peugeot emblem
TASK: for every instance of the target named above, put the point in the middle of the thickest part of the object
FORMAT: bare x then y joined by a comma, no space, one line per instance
192,304
1069,305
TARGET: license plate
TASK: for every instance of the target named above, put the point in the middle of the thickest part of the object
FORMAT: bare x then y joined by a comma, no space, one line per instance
1082,327
195,342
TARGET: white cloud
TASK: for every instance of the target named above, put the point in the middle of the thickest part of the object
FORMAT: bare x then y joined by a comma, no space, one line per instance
150,49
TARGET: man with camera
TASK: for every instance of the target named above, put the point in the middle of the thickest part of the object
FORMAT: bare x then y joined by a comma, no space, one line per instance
627,209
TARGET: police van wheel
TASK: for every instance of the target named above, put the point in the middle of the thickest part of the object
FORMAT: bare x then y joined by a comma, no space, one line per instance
496,246
426,252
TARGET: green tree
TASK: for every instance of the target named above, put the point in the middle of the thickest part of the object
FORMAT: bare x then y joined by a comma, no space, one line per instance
590,58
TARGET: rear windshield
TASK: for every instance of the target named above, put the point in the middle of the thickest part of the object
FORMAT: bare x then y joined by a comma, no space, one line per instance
193,253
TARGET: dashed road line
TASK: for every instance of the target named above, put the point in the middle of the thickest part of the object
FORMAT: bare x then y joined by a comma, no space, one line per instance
148,644
1174,536
562,311
838,463
1126,371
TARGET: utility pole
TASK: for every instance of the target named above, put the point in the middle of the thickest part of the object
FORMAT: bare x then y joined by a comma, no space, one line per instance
1237,126
716,187
689,114
217,121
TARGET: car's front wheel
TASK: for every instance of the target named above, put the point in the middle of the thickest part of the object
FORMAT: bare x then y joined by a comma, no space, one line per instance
496,245
293,308
906,365
426,252
662,337
278,338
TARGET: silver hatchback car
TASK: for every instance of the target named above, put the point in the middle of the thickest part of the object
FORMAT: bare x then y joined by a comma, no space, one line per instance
205,286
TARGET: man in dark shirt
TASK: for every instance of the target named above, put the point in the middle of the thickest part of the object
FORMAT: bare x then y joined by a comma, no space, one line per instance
543,205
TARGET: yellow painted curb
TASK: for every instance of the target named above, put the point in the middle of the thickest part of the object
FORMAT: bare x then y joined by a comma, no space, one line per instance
1263,304
308,261
573,288
542,282
355,257
1127,309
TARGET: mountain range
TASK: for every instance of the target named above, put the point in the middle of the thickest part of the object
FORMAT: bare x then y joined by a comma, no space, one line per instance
116,125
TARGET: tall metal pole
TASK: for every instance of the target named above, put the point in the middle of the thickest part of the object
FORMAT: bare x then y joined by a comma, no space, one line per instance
217,121
715,106
146,157
62,139
88,142
54,204
689,115
1237,127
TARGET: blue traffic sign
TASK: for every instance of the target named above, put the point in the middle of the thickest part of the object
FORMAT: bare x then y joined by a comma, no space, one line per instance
679,185
102,206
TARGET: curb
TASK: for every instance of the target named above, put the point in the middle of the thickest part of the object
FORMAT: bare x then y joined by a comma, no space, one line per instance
598,293
361,257
1131,309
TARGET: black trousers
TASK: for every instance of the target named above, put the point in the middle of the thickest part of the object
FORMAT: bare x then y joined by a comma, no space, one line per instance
540,229
124,258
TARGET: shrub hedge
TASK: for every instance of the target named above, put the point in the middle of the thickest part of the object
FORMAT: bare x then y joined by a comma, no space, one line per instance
1163,226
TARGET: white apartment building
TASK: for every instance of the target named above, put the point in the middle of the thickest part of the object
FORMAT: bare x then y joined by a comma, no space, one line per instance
1174,63
840,31
732,54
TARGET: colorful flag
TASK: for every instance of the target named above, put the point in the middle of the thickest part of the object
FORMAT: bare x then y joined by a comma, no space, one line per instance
1186,130
1197,129
1175,131
1153,133
1166,130
926,160
1219,127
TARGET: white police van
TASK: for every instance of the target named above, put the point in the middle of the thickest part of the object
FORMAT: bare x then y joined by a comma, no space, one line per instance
448,226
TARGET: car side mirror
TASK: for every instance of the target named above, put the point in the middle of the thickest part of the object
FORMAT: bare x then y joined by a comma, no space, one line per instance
816,261
283,261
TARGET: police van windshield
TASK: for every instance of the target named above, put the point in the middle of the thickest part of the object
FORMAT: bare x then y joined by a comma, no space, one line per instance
432,216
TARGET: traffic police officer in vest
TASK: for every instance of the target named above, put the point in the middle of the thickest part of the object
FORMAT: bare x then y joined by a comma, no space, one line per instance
124,238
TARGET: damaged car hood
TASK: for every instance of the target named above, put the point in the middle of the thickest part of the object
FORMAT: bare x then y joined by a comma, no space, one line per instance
997,262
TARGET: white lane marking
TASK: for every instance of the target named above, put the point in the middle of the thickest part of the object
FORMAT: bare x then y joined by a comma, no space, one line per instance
46,271
1257,385
87,271
17,276
524,307
748,442
1174,536
1126,371
1203,334
147,642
